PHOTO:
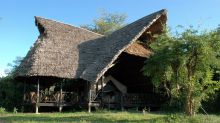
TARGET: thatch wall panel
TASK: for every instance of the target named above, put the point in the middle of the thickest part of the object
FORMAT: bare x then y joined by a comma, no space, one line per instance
139,49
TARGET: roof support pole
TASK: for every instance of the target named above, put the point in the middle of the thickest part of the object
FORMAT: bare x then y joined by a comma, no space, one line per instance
24,97
122,105
38,95
97,88
102,81
60,100
89,96
90,103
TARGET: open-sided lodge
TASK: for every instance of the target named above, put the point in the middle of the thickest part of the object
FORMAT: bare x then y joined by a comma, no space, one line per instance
71,66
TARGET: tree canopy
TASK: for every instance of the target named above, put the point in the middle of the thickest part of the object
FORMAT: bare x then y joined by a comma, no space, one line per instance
184,65
107,23
13,66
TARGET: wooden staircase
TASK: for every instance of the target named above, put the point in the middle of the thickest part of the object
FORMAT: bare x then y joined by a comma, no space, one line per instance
94,96
92,100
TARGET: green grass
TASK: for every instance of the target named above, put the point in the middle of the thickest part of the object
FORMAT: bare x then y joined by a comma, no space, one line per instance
105,116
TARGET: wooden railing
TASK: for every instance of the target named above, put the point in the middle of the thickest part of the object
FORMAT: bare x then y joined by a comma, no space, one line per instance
139,99
129,100
92,95
51,97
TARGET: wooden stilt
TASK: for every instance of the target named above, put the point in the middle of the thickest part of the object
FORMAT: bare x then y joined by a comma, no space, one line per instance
24,97
89,96
122,106
89,104
61,91
97,88
38,95
108,102
102,81
60,108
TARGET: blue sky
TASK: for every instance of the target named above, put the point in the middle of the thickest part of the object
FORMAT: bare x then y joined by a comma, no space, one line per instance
18,31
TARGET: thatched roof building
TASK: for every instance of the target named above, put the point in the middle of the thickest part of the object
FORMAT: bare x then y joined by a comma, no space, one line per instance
65,51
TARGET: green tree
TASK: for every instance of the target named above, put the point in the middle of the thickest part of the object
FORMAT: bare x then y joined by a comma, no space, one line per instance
11,93
11,90
107,23
184,64
13,66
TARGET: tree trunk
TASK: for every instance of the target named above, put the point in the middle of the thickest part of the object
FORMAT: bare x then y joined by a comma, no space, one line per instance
191,65
190,103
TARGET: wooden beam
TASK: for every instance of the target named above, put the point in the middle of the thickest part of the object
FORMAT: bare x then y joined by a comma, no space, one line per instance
54,104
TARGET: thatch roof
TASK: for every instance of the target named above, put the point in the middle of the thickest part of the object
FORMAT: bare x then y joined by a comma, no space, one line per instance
110,47
66,51
55,53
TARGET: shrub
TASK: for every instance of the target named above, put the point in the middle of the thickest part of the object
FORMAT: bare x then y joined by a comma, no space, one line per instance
11,94
2,110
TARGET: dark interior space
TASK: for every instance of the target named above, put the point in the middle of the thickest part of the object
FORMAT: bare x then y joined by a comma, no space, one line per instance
140,91
127,70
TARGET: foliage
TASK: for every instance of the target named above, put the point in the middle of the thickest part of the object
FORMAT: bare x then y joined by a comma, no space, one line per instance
11,91
13,66
15,110
212,104
184,65
109,117
107,23
2,110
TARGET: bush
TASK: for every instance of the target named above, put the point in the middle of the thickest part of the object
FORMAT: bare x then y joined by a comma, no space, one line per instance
212,104
2,110
15,110
11,93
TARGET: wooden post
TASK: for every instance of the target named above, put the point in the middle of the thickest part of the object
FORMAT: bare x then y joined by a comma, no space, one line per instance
60,100
38,95
89,96
102,81
24,96
97,87
89,104
122,105
108,102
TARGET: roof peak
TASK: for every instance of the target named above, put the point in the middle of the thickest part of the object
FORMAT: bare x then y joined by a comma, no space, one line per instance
37,18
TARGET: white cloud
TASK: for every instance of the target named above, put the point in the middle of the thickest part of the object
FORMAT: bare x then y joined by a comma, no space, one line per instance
2,73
